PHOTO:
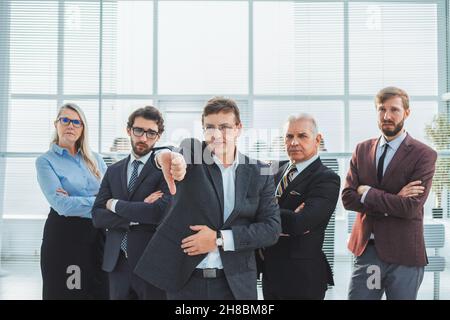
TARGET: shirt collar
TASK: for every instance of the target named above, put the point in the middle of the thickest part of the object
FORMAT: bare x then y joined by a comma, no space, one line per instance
304,164
233,165
394,144
142,159
60,150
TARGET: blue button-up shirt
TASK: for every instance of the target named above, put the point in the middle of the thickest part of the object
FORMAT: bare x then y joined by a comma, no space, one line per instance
57,168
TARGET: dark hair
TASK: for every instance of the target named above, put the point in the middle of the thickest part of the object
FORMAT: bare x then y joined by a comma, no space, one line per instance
149,113
221,104
390,92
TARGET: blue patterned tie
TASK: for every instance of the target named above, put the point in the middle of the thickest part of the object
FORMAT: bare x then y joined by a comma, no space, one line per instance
131,185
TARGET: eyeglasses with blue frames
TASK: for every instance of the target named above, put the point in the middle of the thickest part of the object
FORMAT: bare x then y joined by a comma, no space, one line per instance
66,121
139,132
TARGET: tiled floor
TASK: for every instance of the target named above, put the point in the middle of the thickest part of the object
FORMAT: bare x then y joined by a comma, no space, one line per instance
22,280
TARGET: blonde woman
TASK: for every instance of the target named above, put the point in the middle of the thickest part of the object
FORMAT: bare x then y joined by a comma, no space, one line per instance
69,175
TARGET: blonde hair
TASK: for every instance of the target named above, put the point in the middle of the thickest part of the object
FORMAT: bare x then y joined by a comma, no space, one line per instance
82,143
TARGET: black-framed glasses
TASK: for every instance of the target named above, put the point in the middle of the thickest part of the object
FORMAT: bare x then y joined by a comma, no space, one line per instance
224,128
139,132
66,121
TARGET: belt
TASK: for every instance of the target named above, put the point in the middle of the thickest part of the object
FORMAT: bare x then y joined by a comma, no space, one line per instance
371,242
143,227
208,273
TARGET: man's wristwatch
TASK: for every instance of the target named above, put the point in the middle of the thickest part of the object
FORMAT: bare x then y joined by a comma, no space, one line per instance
219,239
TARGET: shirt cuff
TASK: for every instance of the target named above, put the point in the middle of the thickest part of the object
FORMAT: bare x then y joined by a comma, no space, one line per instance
113,205
363,197
228,240
158,152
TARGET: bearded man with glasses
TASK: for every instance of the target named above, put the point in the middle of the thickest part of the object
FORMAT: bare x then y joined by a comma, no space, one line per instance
130,205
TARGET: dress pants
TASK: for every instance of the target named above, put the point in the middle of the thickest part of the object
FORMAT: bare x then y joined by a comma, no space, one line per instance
125,285
201,288
398,282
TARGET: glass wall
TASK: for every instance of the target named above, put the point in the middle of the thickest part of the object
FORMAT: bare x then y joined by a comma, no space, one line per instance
275,58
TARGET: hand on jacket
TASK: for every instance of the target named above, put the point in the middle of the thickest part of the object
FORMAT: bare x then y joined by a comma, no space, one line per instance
204,241
154,196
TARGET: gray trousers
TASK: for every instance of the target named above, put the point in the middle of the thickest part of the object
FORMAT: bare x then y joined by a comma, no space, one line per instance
372,277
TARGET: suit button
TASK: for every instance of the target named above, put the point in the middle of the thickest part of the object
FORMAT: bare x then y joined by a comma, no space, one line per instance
385,214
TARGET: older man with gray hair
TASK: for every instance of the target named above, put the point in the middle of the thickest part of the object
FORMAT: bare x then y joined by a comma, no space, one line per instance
307,193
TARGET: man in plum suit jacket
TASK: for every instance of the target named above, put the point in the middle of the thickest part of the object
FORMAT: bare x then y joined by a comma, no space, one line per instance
387,184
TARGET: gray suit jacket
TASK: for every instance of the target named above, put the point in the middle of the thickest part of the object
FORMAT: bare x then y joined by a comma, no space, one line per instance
255,222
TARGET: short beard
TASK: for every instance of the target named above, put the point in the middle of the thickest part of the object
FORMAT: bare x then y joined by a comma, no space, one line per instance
392,133
140,153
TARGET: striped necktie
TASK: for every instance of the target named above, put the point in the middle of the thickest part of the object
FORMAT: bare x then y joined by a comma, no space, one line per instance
134,175
131,185
286,179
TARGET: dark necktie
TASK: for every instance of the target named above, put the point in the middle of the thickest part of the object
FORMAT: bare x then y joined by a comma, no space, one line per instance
288,177
134,175
131,185
381,163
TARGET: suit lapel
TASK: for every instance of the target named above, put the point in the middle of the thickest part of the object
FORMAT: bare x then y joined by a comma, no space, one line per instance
280,173
216,178
144,173
373,162
124,176
242,183
301,177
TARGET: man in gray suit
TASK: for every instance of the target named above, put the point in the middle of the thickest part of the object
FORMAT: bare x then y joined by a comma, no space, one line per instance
223,210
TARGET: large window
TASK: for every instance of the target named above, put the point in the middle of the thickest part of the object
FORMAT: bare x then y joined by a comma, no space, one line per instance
298,48
393,43
203,47
275,57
